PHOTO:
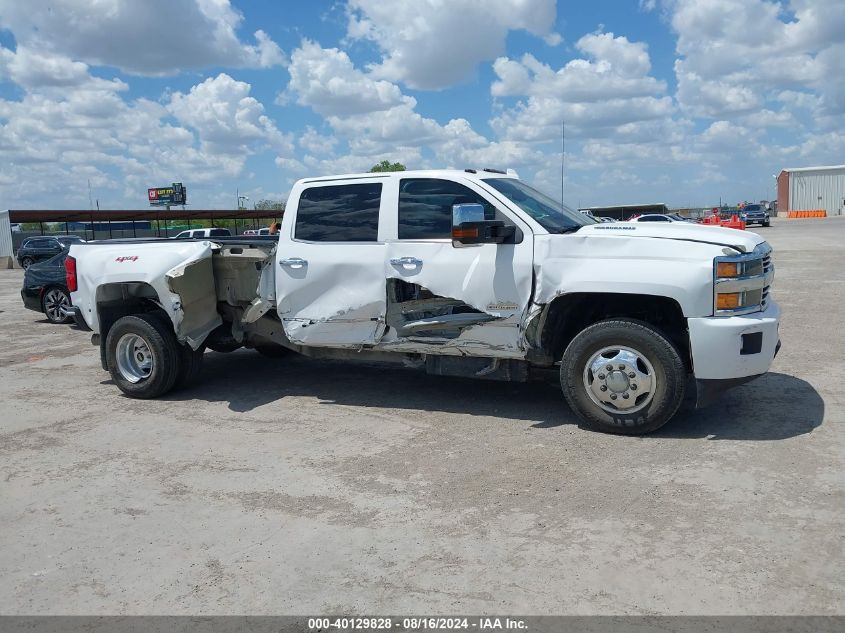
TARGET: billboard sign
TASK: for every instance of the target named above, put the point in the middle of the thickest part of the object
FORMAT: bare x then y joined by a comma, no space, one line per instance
174,194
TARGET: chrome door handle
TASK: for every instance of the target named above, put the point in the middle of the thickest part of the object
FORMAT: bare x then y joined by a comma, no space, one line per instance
407,262
293,262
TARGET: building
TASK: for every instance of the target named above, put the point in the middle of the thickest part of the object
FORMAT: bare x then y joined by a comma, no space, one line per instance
812,189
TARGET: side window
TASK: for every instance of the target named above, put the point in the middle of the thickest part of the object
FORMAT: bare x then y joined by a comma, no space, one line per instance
425,207
339,213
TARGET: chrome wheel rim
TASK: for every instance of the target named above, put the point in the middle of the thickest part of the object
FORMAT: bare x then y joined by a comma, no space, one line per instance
620,379
134,359
56,304
26,262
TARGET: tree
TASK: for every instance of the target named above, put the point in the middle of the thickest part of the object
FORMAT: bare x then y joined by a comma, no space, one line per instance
270,205
386,165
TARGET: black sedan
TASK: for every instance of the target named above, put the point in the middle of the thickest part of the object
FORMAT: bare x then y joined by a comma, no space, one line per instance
45,290
41,248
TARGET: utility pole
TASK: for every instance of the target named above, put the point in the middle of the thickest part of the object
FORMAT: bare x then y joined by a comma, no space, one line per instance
562,158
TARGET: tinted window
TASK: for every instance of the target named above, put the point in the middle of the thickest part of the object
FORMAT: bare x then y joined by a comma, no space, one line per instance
653,218
339,213
218,232
40,243
68,239
425,207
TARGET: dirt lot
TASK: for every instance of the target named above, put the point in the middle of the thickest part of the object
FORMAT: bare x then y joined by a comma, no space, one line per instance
302,487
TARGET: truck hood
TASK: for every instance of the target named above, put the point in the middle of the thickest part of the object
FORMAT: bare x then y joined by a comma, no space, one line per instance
743,241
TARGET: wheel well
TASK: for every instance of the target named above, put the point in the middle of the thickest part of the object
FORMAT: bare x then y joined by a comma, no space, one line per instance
569,314
115,301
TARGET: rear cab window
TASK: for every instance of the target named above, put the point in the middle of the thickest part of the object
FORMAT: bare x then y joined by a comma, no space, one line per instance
339,213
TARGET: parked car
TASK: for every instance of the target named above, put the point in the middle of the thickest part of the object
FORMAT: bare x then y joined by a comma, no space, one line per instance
658,217
44,247
45,290
203,233
755,214
459,273
264,231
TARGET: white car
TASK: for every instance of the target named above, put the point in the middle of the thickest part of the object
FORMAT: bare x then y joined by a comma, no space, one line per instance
202,234
460,273
660,217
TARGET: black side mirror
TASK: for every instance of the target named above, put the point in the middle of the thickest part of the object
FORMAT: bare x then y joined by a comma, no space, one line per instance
470,227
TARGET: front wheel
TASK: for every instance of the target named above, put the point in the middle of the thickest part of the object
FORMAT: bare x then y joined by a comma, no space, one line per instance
623,376
143,355
26,262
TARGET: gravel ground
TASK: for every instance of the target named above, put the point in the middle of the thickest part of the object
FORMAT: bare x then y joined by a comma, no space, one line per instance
296,486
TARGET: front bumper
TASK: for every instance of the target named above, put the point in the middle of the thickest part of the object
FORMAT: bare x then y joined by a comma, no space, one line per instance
728,348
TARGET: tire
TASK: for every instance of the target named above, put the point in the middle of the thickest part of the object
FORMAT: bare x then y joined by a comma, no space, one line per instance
221,340
644,401
54,303
154,372
190,366
766,223
26,262
272,351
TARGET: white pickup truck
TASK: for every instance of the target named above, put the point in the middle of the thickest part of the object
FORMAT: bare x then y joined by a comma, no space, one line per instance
463,273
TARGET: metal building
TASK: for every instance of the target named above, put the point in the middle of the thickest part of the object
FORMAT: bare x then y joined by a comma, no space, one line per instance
5,240
811,189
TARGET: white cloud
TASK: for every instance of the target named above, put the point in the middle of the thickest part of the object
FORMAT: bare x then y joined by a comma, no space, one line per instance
735,52
609,88
432,44
32,69
225,116
61,138
325,80
148,37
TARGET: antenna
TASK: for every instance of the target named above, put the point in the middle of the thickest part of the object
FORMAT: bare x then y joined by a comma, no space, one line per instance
562,157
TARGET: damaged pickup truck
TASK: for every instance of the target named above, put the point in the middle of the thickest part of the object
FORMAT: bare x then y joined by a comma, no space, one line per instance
462,273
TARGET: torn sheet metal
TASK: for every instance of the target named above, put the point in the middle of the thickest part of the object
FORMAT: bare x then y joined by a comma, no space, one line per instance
194,313
331,295
492,279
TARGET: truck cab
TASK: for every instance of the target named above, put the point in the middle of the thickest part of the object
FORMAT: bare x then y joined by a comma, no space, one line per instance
462,273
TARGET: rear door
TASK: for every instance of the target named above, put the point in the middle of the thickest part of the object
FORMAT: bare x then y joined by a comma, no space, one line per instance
330,287
451,298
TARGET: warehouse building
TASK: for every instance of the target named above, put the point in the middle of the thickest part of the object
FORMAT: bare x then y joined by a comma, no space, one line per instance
812,189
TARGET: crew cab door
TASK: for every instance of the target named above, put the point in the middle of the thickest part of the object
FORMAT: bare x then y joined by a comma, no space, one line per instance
450,298
330,264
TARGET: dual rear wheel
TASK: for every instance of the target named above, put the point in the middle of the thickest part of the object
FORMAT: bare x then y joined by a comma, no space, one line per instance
144,358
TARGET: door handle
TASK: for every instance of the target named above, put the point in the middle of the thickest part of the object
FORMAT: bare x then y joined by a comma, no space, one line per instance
293,262
406,262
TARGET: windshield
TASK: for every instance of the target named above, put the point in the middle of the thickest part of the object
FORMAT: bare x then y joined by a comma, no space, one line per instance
548,213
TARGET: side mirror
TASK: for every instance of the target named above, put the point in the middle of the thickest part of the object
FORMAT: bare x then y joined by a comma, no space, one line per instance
470,227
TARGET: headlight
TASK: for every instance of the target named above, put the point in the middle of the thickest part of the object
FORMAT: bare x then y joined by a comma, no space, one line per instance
741,282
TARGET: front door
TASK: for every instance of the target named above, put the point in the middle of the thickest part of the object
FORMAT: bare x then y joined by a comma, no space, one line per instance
450,298
330,275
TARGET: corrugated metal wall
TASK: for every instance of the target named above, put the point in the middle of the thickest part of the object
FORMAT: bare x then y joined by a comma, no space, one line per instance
5,235
809,190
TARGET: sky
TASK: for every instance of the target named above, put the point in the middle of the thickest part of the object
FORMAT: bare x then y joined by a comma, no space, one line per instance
686,102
